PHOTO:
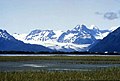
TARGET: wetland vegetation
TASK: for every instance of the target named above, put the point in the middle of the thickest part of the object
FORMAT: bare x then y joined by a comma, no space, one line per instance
108,74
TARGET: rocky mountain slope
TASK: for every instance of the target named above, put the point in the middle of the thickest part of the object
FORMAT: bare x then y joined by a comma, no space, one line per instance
110,43
77,39
9,43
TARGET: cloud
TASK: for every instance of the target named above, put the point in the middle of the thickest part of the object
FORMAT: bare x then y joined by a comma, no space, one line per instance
98,13
109,15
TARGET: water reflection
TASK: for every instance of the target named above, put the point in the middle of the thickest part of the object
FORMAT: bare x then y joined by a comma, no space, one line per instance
59,65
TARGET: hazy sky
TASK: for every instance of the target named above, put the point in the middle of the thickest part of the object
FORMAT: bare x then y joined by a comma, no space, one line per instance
22,16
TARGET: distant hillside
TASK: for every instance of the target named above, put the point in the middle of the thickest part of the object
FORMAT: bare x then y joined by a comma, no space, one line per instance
111,43
9,43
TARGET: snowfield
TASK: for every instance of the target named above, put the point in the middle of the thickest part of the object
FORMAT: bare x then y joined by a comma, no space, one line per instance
79,38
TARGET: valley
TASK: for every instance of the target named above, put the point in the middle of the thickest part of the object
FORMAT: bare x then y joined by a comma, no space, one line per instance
80,38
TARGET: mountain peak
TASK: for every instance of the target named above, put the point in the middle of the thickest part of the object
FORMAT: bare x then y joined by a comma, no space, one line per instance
80,34
4,34
111,43
80,27
9,43
2,31
94,27
77,27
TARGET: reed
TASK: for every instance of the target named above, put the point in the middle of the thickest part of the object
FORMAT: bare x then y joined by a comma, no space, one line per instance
101,74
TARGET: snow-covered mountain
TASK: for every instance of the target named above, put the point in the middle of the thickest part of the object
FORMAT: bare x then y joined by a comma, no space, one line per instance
43,35
110,43
9,43
20,36
76,39
83,35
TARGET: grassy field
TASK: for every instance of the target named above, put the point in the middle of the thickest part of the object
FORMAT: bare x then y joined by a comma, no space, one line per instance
80,59
107,74
103,74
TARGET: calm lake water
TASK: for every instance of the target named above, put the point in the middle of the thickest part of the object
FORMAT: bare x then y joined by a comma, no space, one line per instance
51,65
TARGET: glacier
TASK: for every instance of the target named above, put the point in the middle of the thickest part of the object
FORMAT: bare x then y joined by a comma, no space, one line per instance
80,38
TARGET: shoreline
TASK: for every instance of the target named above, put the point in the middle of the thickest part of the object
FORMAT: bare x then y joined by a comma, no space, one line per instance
55,55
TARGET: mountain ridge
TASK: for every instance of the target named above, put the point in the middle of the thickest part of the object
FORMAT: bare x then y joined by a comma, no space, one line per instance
109,44
77,39
9,43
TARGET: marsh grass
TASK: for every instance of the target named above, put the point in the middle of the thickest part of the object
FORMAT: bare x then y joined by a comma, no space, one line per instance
105,74
79,59
101,74
87,58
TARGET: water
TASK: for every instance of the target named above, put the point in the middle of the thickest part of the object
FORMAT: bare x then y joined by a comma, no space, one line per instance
51,65
54,55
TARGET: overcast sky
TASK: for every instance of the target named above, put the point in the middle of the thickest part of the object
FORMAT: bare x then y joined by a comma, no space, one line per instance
22,16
